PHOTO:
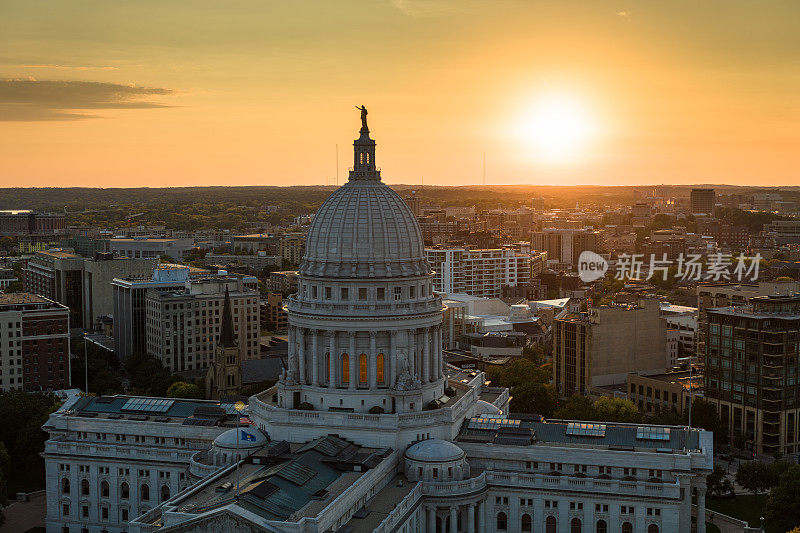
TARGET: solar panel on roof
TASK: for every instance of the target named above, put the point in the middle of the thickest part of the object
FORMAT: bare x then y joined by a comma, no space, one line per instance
491,423
229,408
296,473
652,433
584,429
148,405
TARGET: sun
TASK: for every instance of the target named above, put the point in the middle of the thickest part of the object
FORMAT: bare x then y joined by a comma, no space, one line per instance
556,129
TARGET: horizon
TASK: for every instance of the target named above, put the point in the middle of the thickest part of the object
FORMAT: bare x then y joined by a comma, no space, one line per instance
611,93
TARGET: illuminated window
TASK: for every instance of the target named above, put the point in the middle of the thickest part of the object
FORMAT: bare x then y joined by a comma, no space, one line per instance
362,368
361,158
380,368
345,369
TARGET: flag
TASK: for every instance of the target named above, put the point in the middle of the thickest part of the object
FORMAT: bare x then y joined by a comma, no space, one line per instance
248,437
246,421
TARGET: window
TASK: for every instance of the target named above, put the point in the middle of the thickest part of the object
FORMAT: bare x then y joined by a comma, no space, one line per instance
527,522
550,524
362,369
327,293
380,368
65,486
85,511
345,293
575,525
381,293
65,509
362,293
398,293
124,515
627,527
85,487
345,369
502,522
145,492
104,489
164,493
125,491
652,528
104,513
602,527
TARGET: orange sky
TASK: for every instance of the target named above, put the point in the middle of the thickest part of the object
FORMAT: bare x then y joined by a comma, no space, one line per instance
250,92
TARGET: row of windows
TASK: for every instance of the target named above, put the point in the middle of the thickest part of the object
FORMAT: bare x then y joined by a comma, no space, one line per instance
124,490
398,292
575,524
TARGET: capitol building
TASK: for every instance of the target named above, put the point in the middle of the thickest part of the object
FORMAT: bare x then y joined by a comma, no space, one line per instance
368,430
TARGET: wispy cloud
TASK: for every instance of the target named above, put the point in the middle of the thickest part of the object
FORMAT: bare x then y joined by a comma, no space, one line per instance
67,67
429,8
36,100
624,14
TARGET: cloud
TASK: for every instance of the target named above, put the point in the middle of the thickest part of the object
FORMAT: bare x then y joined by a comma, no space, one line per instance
624,14
67,67
428,8
36,100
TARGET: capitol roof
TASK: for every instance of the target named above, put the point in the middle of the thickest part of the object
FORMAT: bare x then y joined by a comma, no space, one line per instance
434,450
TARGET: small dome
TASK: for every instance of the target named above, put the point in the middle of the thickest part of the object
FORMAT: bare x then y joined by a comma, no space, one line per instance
483,407
434,450
249,437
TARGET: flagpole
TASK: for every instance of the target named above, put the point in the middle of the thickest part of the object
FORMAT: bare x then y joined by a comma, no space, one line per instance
238,406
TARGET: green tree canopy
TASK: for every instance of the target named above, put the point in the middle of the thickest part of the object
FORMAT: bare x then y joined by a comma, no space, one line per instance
182,389
754,476
782,511
719,483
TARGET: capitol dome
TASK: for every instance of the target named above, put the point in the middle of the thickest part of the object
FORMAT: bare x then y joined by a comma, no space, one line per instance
249,437
364,230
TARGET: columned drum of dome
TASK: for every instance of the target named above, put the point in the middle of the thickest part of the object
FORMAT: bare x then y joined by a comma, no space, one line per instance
365,325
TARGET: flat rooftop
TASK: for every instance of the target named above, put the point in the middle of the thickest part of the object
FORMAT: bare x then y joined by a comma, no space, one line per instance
144,408
529,432
15,298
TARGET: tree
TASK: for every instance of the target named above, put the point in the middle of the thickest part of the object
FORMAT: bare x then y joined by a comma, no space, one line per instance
5,468
577,408
754,476
537,398
182,389
782,511
104,372
610,409
704,416
147,375
718,483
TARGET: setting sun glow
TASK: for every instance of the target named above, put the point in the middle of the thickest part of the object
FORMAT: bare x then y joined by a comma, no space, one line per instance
557,129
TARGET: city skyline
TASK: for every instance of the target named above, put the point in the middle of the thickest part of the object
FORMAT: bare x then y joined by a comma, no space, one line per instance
615,93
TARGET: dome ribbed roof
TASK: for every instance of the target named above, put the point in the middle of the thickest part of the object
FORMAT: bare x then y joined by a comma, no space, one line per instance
434,450
364,229
249,437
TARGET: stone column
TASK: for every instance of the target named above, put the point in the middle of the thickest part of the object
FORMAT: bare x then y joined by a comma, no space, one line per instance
431,520
686,502
333,370
393,357
301,355
293,352
482,516
471,518
454,520
353,360
426,356
701,509
315,357
373,360
437,350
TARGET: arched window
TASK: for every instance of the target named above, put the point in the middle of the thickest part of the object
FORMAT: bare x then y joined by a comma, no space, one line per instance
85,487
602,527
345,369
575,525
164,493
527,522
652,528
65,486
550,524
362,369
145,492
627,527
104,489
380,368
125,491
502,522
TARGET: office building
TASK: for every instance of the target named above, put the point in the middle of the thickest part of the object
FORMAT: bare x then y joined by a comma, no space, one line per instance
151,248
34,343
601,347
702,201
565,245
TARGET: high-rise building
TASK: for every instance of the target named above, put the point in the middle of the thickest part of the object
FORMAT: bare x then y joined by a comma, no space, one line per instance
751,371
478,272
565,245
602,346
34,343
183,327
291,249
130,309
702,201
81,284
